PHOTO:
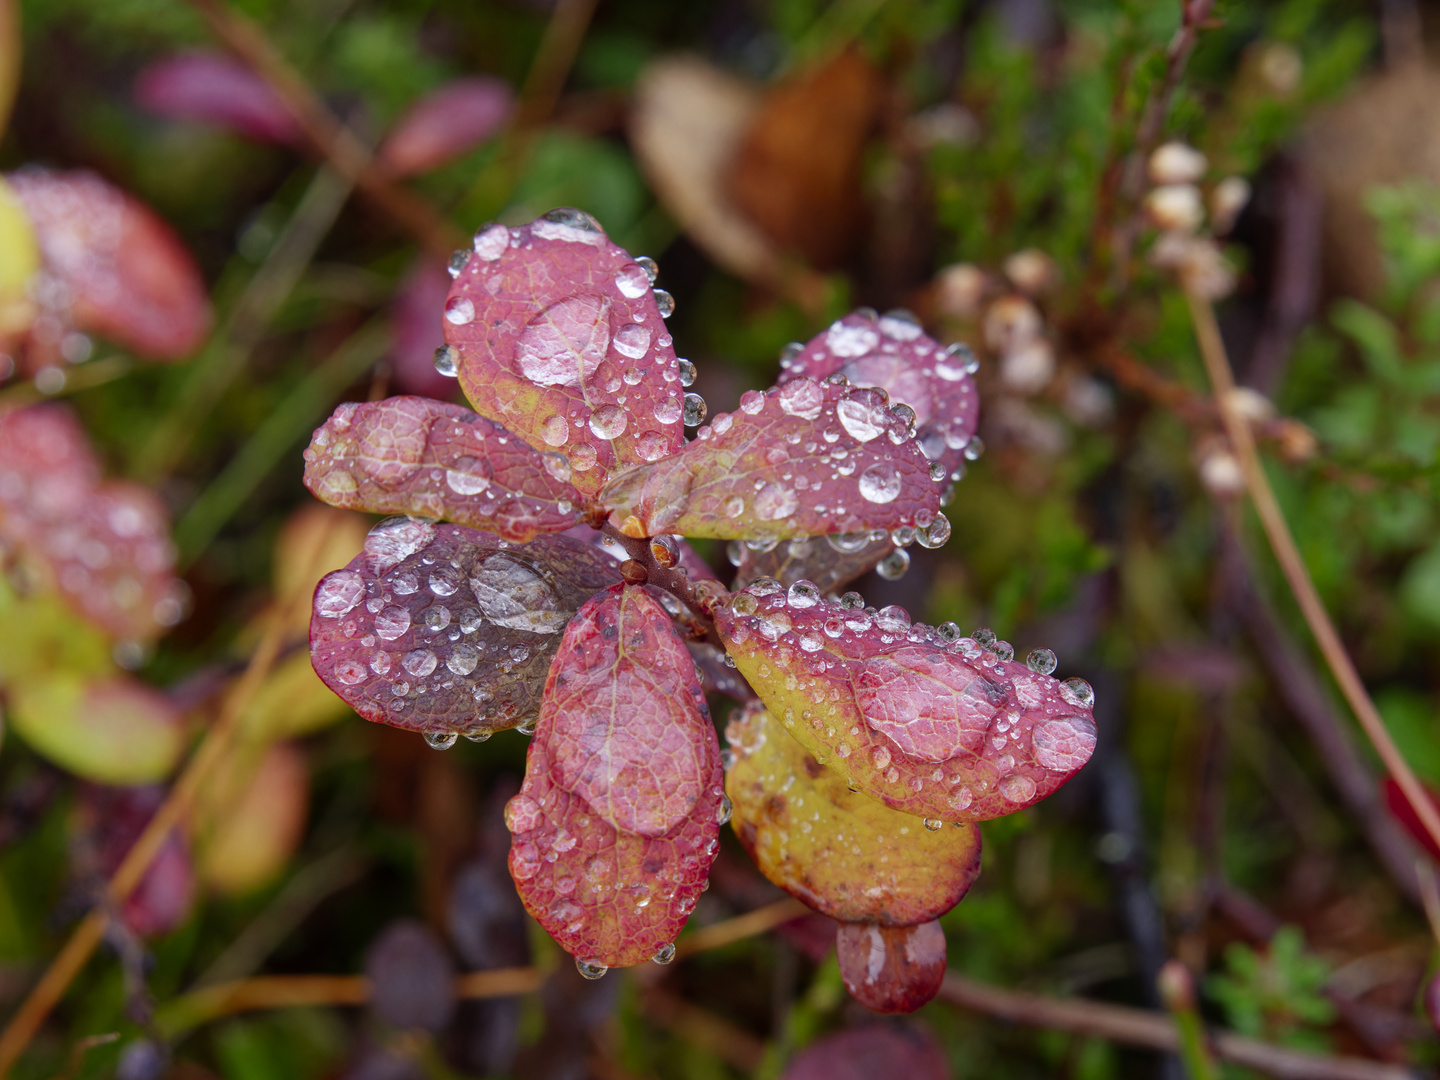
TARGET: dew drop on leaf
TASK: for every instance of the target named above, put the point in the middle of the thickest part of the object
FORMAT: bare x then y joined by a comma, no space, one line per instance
590,969
491,242
459,311
694,411
880,483
441,740
632,281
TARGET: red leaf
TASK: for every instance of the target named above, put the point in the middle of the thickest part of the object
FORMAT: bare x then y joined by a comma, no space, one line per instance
924,720
445,124
105,546
110,266
891,969
868,1052
412,455
1401,810
804,459
117,816
618,820
560,338
444,629
417,319
892,352
839,851
218,91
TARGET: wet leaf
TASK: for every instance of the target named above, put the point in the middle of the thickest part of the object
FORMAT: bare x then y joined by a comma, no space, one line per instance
870,1051
716,676
892,352
891,969
561,340
216,90
445,124
412,455
441,628
111,267
116,816
841,852
19,253
250,818
622,787
314,538
417,318
940,728
112,730
803,459
410,976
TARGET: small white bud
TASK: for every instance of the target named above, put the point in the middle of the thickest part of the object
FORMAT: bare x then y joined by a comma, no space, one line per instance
1175,207
1227,201
1011,322
1252,406
1221,474
962,288
1176,163
1029,368
1031,271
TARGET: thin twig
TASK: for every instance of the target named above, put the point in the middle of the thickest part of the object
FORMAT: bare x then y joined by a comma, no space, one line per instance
744,926
1217,365
47,993
1141,1027
331,139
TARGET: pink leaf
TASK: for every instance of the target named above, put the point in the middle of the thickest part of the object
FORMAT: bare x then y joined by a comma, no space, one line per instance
106,546
617,823
445,124
560,339
412,455
117,816
417,320
924,720
444,629
891,969
891,352
218,91
110,266
803,459
871,1051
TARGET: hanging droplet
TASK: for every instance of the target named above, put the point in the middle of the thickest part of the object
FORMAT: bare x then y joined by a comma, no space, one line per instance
934,824
974,448
478,736
528,727
1041,661
447,361
935,534
694,410
666,954
1084,695
650,266
937,472
687,372
591,969
441,740
1003,650
735,552
722,815
665,302
894,565
458,261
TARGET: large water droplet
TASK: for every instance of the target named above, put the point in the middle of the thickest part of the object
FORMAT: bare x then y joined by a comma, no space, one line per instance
391,622
447,361
491,241
843,340
632,281
437,618
570,225
650,266
591,969
1018,788
936,533
463,658
880,483
565,343
694,411
458,261
1080,690
803,398
666,953
459,311
894,565
350,672
803,594
396,539
419,662
608,421
687,372
861,419
554,430
632,340
1064,744
665,302
441,740
514,595
1041,661
669,410
774,502
339,593
751,402
726,808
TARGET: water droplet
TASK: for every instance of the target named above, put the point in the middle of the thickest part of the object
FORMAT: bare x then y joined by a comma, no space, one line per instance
669,411
848,543
666,954
1041,661
350,672
459,311
591,969
444,580
936,533
790,353
744,604
893,618
554,430
863,420
583,457
632,340
687,372
962,799
974,448
751,402
632,281
774,502
470,619
1081,690
608,421
447,361
419,662
491,241
849,341
437,618
441,740
880,757
934,824
339,593
880,483
665,302
391,622
1018,788
527,727
458,261
803,594
904,536
1003,650
694,410
380,663
894,565
803,398
903,413
726,808
462,659
651,268
478,736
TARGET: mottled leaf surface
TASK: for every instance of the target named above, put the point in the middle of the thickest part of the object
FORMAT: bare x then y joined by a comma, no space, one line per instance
803,459
442,628
893,353
446,123
865,1053
105,546
219,91
617,823
891,969
941,729
560,339
110,266
843,853
412,455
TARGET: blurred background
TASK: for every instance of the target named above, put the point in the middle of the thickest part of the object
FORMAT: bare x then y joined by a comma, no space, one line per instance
224,218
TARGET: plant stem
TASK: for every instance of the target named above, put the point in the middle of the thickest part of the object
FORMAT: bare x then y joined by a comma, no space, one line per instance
1272,519
741,927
